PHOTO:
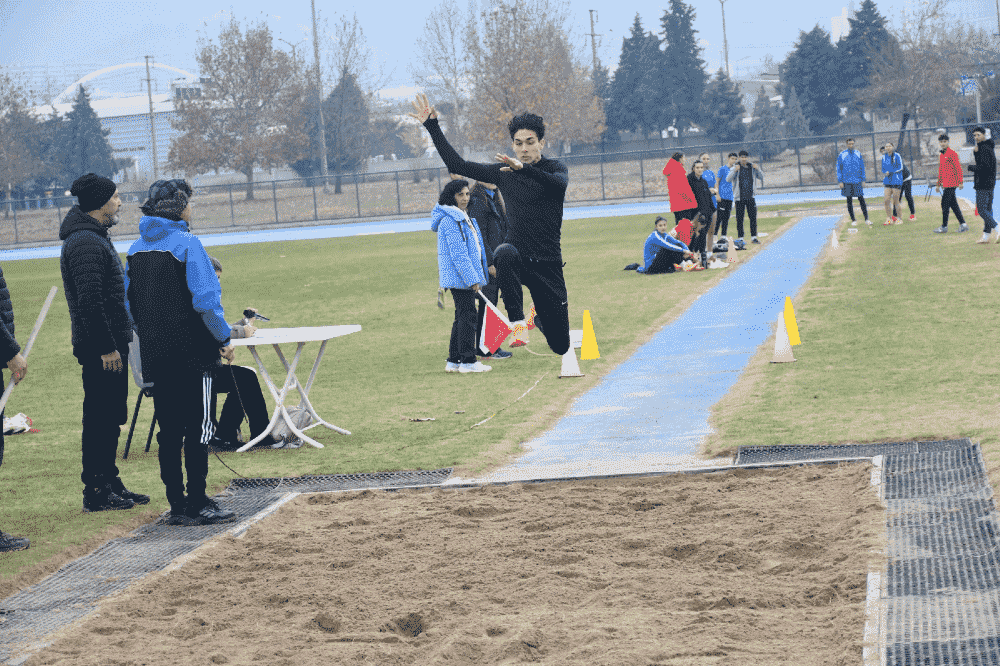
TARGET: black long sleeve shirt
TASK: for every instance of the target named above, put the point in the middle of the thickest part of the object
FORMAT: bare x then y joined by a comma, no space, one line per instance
985,169
534,196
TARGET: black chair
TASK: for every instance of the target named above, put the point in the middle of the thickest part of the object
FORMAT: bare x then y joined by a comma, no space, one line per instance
145,389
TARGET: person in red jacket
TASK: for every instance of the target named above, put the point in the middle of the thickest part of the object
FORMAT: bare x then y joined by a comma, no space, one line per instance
949,177
682,202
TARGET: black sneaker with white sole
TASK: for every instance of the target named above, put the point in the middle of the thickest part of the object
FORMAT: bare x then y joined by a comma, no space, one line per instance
118,488
10,543
211,513
501,354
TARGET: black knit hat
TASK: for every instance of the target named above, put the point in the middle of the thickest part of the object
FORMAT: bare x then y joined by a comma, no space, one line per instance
93,191
167,198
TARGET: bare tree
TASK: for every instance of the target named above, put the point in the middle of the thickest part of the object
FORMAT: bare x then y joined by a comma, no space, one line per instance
247,115
521,59
440,67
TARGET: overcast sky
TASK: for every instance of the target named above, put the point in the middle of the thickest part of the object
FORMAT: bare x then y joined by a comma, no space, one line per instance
61,33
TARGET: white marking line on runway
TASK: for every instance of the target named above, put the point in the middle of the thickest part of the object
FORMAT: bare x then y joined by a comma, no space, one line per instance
240,530
874,645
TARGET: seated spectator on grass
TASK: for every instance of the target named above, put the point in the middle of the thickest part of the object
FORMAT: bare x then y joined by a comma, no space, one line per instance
679,192
662,250
462,268
245,397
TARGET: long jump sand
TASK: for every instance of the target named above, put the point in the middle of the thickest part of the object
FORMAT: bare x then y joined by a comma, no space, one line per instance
735,567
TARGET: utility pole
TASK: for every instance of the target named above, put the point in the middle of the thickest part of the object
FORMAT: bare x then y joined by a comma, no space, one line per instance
152,121
593,37
319,103
725,43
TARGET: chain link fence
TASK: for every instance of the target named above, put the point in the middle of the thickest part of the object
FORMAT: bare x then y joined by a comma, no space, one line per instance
807,163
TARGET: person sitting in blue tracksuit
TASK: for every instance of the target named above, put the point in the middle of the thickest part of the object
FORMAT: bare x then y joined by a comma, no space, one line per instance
661,250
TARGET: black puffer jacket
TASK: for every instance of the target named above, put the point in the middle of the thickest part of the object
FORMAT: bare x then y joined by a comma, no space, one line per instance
984,171
94,281
491,217
8,345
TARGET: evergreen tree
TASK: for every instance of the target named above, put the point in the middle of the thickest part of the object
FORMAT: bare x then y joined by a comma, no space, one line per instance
765,133
81,145
722,110
347,119
863,42
602,89
631,104
796,124
811,68
682,77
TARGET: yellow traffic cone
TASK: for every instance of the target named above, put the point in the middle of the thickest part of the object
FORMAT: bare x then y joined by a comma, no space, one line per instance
790,325
782,348
589,350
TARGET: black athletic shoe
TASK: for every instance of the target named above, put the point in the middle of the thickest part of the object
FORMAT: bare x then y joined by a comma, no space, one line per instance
222,444
500,354
210,514
102,499
118,488
10,543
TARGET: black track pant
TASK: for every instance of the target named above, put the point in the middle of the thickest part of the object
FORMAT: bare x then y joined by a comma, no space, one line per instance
722,218
750,206
545,281
183,400
245,397
664,261
950,203
984,204
105,409
864,206
462,346
907,193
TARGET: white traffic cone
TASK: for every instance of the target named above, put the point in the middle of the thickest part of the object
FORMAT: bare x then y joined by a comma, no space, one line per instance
570,366
833,239
782,346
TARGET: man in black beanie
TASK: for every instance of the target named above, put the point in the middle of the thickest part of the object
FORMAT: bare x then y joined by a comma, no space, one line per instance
93,280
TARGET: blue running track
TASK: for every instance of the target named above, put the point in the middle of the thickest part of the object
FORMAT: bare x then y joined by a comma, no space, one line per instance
651,412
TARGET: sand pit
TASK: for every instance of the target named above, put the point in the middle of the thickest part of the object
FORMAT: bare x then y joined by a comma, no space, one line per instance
737,567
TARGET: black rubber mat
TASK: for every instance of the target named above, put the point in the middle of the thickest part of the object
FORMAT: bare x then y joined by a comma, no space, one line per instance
943,573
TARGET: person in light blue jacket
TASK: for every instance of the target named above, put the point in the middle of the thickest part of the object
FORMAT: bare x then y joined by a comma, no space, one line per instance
892,167
462,267
851,178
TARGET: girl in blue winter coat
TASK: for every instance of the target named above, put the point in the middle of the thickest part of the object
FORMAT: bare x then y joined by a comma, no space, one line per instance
462,266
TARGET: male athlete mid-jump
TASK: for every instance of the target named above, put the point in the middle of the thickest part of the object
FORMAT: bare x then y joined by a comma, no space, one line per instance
534,189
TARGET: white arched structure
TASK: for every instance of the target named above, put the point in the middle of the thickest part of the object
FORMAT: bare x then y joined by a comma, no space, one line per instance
65,94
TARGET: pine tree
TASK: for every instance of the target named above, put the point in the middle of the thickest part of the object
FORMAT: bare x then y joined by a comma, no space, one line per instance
796,124
82,144
722,110
765,133
811,68
631,106
347,119
682,78
863,42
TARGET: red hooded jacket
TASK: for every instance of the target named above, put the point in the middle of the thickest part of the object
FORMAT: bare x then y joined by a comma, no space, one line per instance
949,169
678,187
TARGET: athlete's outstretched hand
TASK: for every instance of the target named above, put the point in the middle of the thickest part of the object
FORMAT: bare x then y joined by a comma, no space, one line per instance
512,164
423,109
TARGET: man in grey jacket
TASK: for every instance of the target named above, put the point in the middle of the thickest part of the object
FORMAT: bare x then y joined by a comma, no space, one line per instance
742,176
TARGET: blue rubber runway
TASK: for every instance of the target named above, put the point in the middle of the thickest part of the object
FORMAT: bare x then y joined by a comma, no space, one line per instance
402,226
651,412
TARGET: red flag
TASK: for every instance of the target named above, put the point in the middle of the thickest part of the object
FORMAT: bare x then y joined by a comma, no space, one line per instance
496,328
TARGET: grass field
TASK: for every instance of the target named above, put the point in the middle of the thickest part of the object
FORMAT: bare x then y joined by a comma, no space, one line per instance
371,382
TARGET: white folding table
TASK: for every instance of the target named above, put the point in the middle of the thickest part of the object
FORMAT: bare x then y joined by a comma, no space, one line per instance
276,337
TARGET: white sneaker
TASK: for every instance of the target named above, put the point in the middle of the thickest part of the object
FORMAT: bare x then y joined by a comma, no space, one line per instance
474,367
451,367
854,223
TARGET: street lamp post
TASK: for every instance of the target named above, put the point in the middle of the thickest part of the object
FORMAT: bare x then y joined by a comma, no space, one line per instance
725,42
